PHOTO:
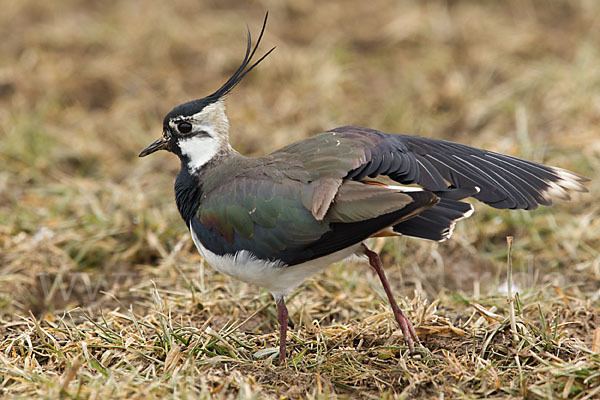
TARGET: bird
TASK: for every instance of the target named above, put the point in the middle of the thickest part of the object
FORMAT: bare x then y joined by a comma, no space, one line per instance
276,220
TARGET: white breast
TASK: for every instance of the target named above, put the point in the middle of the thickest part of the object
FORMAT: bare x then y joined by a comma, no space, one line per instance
276,277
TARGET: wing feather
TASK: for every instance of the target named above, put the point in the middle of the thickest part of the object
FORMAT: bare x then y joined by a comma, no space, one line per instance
437,165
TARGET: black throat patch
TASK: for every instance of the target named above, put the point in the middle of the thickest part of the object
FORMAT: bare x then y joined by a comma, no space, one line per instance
188,193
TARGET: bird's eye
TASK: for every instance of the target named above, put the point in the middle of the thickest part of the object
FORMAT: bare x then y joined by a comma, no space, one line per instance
184,127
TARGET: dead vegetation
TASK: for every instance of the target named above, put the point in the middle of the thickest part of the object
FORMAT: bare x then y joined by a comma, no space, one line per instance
102,294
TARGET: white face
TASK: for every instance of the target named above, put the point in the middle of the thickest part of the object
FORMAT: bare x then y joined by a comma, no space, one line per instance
201,136
199,149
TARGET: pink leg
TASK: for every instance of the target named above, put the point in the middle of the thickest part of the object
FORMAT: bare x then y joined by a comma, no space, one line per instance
408,331
282,317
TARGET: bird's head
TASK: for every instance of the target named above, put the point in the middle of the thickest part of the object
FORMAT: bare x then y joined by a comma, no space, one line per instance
198,130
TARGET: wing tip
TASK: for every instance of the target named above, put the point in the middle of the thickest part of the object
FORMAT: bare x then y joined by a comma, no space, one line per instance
570,180
559,188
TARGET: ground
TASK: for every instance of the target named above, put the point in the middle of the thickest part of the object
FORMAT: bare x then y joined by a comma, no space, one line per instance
102,294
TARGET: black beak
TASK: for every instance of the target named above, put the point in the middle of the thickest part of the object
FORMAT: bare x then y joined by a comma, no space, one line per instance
159,144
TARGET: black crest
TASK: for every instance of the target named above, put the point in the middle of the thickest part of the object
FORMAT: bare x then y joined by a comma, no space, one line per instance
195,106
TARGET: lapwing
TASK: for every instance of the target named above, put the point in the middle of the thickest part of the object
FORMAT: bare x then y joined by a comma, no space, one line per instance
274,221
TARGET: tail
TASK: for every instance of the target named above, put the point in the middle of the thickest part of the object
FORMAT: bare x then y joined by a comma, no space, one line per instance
436,223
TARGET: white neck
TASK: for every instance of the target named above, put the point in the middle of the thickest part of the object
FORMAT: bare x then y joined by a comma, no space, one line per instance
199,150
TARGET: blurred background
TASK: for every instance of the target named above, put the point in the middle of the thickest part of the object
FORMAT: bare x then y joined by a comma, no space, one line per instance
84,87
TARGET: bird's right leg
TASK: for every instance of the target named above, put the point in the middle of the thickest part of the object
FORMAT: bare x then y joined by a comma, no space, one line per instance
408,331
283,318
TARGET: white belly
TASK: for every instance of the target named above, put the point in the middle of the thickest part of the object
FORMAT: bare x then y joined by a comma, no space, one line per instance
276,277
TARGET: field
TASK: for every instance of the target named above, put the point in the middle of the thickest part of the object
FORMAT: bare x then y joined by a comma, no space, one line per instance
103,295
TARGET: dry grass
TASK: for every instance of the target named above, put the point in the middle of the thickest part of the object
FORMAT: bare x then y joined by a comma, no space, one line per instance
102,294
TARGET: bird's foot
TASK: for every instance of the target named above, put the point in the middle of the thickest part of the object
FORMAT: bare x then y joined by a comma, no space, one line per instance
408,331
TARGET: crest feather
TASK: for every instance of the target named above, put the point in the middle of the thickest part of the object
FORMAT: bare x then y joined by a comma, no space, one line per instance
243,68
195,106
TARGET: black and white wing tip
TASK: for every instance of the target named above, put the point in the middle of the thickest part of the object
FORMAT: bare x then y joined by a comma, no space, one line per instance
564,180
510,182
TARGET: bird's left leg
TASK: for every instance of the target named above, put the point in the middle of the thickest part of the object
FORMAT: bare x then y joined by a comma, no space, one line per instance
283,318
408,331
